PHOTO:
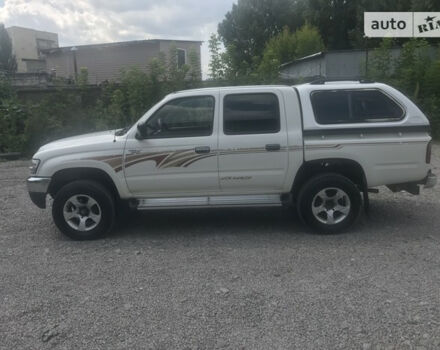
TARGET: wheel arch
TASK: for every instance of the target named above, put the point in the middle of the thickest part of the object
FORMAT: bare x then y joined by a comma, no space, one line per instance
64,176
346,167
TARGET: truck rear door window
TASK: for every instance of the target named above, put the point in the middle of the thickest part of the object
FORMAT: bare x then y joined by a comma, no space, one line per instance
257,113
331,107
354,106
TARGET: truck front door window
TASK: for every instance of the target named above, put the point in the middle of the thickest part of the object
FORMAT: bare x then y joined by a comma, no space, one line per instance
182,117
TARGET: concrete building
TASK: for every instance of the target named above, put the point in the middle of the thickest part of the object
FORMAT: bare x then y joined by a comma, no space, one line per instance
332,64
104,62
27,45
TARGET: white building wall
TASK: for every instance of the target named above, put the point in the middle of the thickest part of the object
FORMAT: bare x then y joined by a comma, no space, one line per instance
25,45
104,62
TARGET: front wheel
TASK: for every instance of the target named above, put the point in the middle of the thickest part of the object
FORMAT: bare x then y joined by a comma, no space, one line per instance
329,203
83,210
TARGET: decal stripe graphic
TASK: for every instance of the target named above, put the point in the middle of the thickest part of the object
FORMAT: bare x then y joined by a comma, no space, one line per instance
186,157
158,157
195,159
367,130
114,160
182,158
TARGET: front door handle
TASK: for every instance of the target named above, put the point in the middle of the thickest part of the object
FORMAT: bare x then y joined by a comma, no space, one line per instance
202,149
273,147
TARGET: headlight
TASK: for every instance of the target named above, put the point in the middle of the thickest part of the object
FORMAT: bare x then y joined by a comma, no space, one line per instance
33,168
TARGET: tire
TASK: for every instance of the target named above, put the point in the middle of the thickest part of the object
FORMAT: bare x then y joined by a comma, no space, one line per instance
329,203
83,210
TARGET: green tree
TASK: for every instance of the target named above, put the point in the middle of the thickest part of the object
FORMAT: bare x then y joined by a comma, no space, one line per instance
60,114
308,41
12,119
432,79
8,63
157,78
431,107
118,110
217,69
6,90
135,84
280,49
195,74
411,66
335,18
83,76
251,24
342,21
430,102
286,47
380,66
175,75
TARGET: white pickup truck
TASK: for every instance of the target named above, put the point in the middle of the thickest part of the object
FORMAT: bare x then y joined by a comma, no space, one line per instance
320,146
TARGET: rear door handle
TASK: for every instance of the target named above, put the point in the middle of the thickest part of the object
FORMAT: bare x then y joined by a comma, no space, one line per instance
273,147
202,149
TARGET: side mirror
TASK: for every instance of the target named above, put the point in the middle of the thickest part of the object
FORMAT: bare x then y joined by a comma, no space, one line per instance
140,133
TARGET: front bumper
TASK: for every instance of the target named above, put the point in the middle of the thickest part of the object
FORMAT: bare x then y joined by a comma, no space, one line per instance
37,187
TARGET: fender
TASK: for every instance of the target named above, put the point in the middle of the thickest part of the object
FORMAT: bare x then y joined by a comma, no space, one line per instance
62,170
347,167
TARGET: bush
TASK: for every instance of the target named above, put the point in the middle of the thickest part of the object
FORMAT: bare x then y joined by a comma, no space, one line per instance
74,110
12,120
59,115
431,107
12,125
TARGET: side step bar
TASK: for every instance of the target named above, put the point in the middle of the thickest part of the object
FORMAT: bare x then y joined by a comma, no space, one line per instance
210,202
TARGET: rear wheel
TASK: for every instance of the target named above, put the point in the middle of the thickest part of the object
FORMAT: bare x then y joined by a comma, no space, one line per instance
329,203
83,210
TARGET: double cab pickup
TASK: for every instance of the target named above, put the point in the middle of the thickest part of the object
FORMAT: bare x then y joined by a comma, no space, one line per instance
317,147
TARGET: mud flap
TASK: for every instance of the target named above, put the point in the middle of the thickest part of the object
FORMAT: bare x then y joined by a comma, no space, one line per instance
410,187
366,200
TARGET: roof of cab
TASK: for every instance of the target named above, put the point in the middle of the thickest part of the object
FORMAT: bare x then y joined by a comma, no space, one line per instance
229,88
340,84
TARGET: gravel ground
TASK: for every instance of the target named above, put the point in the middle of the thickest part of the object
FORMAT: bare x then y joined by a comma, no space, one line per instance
233,279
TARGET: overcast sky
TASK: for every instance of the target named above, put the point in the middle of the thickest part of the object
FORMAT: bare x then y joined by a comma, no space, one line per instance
99,21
